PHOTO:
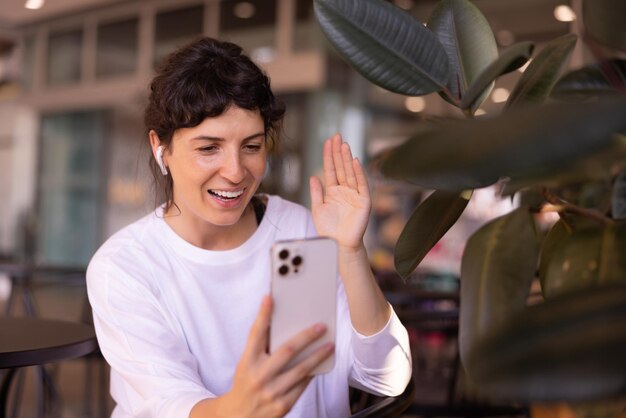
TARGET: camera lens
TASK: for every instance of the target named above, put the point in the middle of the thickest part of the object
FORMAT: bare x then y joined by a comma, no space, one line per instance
297,260
283,254
283,270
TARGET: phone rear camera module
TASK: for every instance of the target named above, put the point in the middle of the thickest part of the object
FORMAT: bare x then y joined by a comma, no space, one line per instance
283,270
283,254
297,260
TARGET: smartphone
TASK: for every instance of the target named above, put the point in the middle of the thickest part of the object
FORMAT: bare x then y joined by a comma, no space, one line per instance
304,292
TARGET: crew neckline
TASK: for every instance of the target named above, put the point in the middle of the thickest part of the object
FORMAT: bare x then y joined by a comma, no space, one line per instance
200,255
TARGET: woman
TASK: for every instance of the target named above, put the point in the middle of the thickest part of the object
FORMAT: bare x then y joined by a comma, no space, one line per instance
180,297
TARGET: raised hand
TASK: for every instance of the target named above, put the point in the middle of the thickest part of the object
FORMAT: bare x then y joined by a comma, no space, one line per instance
342,210
262,387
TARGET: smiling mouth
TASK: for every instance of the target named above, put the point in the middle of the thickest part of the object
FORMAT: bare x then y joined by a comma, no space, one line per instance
225,195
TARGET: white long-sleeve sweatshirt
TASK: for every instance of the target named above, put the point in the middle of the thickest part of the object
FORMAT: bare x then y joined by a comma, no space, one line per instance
172,320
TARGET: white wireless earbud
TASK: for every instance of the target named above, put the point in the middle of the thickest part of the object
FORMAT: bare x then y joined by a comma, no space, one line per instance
159,160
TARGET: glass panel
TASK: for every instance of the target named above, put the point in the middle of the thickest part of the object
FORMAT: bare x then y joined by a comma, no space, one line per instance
307,33
70,187
117,48
129,182
176,28
28,62
250,24
285,174
64,57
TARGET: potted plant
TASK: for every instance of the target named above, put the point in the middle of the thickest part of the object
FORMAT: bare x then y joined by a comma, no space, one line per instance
559,143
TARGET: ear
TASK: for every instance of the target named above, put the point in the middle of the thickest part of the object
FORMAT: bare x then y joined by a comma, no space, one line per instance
154,141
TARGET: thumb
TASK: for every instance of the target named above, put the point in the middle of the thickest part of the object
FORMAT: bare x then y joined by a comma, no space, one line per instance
317,195
258,336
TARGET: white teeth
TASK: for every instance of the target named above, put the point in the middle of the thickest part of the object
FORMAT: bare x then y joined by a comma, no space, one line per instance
228,195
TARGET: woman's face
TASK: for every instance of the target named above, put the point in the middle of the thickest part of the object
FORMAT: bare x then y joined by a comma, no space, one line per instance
217,166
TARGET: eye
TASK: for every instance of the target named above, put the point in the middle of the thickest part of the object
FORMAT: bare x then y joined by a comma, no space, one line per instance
253,147
208,148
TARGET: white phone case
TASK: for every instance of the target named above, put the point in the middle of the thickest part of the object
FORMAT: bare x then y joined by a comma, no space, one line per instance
304,290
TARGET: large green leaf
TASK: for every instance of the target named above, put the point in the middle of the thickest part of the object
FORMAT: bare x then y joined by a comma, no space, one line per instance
595,166
619,196
439,159
580,222
604,20
522,143
469,42
385,44
555,238
592,256
427,224
497,268
542,73
509,60
591,81
570,348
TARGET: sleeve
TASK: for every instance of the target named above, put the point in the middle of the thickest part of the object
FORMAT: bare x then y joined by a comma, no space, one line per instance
155,374
382,362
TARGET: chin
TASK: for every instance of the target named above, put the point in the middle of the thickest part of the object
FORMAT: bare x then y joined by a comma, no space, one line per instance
224,220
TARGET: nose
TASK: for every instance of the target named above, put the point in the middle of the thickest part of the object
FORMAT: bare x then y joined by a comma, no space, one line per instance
232,168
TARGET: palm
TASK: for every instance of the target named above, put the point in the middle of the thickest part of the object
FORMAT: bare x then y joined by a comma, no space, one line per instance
342,211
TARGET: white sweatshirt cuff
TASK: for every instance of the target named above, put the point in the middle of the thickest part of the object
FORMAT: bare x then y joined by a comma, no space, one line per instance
384,349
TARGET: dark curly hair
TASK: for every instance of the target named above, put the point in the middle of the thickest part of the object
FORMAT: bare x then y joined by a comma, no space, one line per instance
203,79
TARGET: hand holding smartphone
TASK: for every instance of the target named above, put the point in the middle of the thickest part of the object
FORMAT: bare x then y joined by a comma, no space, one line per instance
304,292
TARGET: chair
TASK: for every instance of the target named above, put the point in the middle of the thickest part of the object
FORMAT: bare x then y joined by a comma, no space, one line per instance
389,407
415,306
464,406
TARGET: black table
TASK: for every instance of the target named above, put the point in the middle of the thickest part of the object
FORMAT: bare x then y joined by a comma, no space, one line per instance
35,341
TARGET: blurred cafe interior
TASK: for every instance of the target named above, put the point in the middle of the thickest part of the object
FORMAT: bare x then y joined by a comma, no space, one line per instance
74,78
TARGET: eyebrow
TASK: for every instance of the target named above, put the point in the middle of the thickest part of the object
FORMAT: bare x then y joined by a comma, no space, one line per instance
217,138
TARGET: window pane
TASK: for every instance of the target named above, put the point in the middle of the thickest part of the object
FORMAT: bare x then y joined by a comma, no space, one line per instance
70,187
250,24
117,48
176,28
64,57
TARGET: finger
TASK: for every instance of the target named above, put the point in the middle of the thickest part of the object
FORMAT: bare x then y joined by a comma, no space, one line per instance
258,336
317,195
297,389
337,159
284,402
346,156
303,369
294,393
330,176
361,179
283,355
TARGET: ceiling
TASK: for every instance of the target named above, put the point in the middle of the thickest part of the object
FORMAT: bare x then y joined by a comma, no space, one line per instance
13,13
528,18
516,20
524,20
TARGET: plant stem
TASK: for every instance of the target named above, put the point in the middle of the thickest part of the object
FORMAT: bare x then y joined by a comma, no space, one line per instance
455,100
556,204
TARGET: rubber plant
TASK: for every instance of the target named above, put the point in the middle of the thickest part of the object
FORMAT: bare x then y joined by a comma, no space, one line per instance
559,142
